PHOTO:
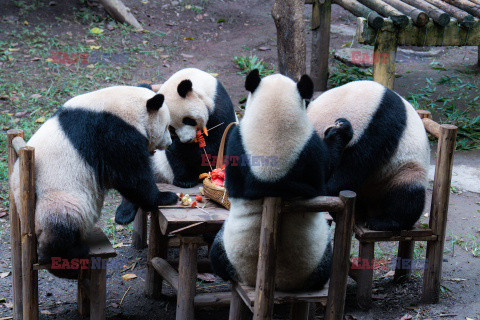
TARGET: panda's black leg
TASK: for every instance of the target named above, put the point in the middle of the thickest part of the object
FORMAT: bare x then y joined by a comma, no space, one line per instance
221,266
321,274
402,207
126,212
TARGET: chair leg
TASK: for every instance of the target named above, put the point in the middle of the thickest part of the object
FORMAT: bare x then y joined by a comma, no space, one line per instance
157,247
83,293
403,267
365,275
187,271
238,309
98,293
299,311
432,275
139,237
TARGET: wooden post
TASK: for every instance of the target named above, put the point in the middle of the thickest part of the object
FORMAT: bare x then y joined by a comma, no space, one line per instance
437,15
238,309
83,292
359,10
365,275
341,257
98,293
438,213
419,17
405,252
187,276
398,18
385,52
15,238
300,311
265,284
157,247
292,53
29,239
321,16
139,236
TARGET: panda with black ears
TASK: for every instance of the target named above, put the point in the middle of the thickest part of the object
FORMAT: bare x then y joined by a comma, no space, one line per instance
195,99
95,142
386,162
275,124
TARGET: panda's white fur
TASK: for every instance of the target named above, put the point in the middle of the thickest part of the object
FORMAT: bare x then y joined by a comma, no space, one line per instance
359,102
69,194
275,124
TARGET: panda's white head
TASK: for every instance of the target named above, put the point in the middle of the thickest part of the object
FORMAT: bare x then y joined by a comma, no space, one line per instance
139,107
190,95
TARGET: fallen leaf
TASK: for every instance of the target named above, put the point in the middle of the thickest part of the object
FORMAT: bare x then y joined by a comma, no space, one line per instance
406,317
96,30
221,20
346,44
118,245
455,279
188,38
36,96
467,318
49,60
129,276
188,7
90,41
8,305
390,273
213,74
186,55
25,22
4,274
40,120
36,59
4,97
95,47
264,48
207,277
14,50
114,305
3,212
46,312
91,66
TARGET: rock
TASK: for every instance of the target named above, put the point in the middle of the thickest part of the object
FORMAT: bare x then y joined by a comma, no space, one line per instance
355,56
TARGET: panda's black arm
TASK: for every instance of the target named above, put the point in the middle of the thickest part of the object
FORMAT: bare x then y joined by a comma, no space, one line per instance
336,140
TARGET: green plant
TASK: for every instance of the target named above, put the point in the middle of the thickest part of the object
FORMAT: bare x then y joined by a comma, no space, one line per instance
344,74
249,63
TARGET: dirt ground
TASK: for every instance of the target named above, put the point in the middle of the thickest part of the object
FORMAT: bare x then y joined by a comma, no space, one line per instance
205,34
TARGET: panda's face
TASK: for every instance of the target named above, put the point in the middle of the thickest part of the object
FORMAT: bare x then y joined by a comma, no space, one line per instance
189,110
157,125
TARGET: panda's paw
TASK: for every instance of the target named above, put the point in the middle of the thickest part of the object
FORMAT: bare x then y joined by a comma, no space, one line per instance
126,212
167,198
342,130
382,224
184,183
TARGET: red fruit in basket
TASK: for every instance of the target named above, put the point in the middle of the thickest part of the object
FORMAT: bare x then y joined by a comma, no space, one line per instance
218,182
199,198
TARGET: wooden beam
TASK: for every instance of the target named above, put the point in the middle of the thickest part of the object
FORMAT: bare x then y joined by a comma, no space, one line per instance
18,143
120,12
15,231
430,35
462,17
321,203
418,17
359,10
437,15
398,18
472,8
166,271
291,44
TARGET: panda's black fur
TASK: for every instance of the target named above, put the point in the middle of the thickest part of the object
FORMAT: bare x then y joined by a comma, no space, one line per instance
306,177
86,148
387,160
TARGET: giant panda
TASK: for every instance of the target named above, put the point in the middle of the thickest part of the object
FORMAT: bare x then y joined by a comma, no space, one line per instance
276,152
387,160
195,99
95,142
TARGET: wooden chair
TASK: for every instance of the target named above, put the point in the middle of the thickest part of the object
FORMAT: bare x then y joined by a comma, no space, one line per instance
91,296
260,300
434,234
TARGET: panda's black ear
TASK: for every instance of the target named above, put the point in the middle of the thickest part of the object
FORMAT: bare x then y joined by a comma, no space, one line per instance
253,80
184,87
305,87
155,103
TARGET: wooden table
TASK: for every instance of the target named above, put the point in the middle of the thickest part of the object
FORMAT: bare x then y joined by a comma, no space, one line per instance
181,226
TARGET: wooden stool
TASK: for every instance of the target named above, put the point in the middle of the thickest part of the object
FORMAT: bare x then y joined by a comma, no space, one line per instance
91,282
434,234
179,226
260,300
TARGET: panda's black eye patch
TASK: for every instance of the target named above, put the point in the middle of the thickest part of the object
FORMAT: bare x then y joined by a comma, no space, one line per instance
189,121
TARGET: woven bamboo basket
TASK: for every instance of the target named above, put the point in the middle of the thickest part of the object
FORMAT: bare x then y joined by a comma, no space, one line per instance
212,191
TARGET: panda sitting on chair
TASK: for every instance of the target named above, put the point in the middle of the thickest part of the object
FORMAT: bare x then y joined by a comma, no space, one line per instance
195,99
275,127
97,141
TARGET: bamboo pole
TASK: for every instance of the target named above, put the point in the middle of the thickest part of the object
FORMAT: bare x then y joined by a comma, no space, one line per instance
398,18
465,19
29,241
120,12
359,10
472,8
438,213
265,284
15,238
437,15
321,16
418,17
